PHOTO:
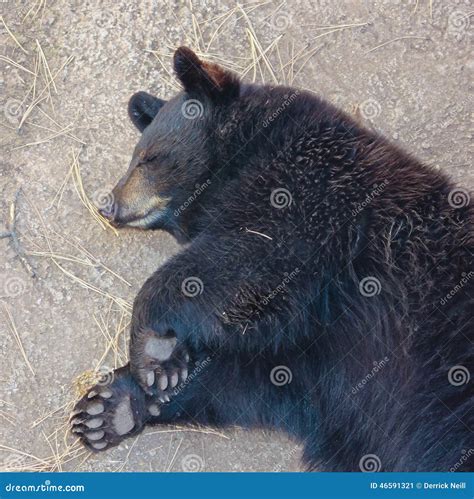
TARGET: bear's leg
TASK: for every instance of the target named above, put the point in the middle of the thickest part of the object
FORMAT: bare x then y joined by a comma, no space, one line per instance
200,298
222,389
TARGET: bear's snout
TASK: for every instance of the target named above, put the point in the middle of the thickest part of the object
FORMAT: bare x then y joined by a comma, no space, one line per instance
109,212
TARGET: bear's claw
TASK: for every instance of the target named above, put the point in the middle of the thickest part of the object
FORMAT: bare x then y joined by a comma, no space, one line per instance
159,363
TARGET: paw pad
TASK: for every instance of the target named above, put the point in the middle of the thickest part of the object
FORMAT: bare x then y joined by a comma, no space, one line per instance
107,415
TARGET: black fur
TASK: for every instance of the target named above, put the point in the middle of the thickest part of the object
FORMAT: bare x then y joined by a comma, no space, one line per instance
142,109
281,286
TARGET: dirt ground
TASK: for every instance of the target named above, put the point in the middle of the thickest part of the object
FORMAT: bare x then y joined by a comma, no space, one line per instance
67,71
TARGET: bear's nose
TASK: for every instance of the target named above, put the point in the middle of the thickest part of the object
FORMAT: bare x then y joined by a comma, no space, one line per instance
108,211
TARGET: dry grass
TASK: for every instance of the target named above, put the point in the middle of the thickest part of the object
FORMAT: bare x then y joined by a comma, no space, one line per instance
272,61
91,208
408,37
17,337
12,36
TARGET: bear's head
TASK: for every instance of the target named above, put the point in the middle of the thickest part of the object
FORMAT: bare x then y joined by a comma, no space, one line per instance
176,152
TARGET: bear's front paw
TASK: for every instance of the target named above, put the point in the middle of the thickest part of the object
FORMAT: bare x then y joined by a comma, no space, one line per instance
158,363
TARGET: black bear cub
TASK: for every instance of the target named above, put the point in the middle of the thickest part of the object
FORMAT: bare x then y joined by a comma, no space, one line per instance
325,287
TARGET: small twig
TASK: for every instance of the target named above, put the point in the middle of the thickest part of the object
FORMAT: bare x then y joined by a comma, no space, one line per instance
11,233
396,40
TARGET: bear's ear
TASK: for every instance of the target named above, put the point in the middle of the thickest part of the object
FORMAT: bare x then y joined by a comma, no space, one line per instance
142,108
199,76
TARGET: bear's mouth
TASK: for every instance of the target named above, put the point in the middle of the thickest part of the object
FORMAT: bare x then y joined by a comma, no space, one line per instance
151,219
